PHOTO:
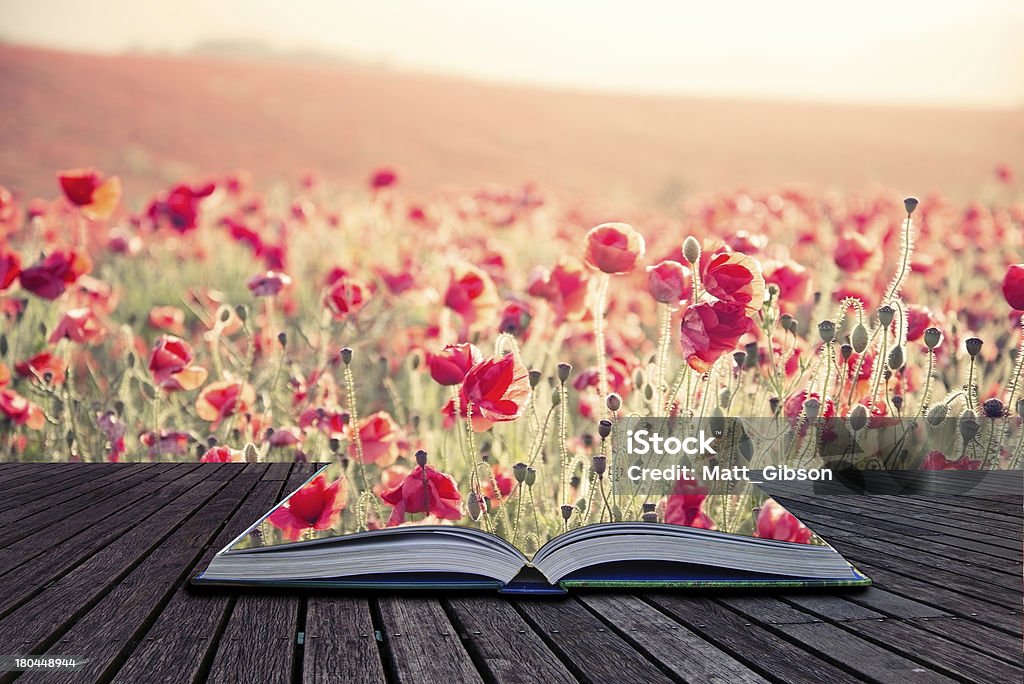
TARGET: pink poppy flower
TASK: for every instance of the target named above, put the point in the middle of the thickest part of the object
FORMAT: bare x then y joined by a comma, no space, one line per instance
614,248
317,506
424,490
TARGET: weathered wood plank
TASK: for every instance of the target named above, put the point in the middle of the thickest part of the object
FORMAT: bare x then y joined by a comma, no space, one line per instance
503,645
421,642
340,642
773,656
591,650
678,649
263,626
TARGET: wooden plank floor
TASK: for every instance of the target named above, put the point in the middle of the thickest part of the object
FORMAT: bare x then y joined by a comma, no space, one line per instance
94,561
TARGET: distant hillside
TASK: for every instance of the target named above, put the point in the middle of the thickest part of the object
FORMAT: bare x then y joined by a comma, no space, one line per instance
156,118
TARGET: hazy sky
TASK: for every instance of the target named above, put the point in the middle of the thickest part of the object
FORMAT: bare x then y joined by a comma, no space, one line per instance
964,52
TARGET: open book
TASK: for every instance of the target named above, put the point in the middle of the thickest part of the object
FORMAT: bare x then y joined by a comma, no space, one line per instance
694,536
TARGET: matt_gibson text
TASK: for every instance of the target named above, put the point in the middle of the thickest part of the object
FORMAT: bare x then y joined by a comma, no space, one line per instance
774,473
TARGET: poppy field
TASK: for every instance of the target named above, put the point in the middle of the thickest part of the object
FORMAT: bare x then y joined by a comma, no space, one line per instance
452,351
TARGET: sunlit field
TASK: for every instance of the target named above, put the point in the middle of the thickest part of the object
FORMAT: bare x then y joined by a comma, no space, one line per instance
477,343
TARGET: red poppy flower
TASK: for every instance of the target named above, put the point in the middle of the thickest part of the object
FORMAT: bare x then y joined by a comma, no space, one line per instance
733,277
685,505
498,390
775,522
345,297
222,454
48,278
383,177
268,284
42,363
167,442
792,279
167,318
471,293
94,195
450,365
379,437
515,319
854,252
224,398
564,288
170,363
711,329
614,248
1013,286
936,460
21,411
424,490
79,325
10,268
179,207
919,319
668,282
317,506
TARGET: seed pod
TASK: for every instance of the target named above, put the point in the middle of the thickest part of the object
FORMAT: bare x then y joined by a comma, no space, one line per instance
885,315
740,357
535,377
414,361
604,428
932,337
968,424
334,444
859,338
242,312
3,345
475,505
846,351
691,250
785,320
937,414
773,404
531,476
566,512
858,418
564,369
649,507
599,464
421,458
346,355
895,361
282,338
910,204
649,517
614,402
827,331
811,408
897,402
993,408
973,346
724,397
519,472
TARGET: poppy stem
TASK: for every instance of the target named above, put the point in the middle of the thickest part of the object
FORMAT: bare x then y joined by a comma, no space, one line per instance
599,341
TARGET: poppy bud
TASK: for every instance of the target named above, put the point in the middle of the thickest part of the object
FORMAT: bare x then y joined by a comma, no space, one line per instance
334,444
130,359
973,346
827,331
564,369
531,476
932,337
638,379
910,204
282,338
242,312
785,320
724,397
346,355
599,464
937,414
846,351
1020,407
225,314
746,447
119,407
993,408
519,472
859,338
211,441
969,427
556,397
604,428
648,392
896,357
474,505
897,402
3,345
566,512
70,438
885,315
535,376
421,458
251,455
811,408
614,402
858,418
773,404
414,361
691,250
